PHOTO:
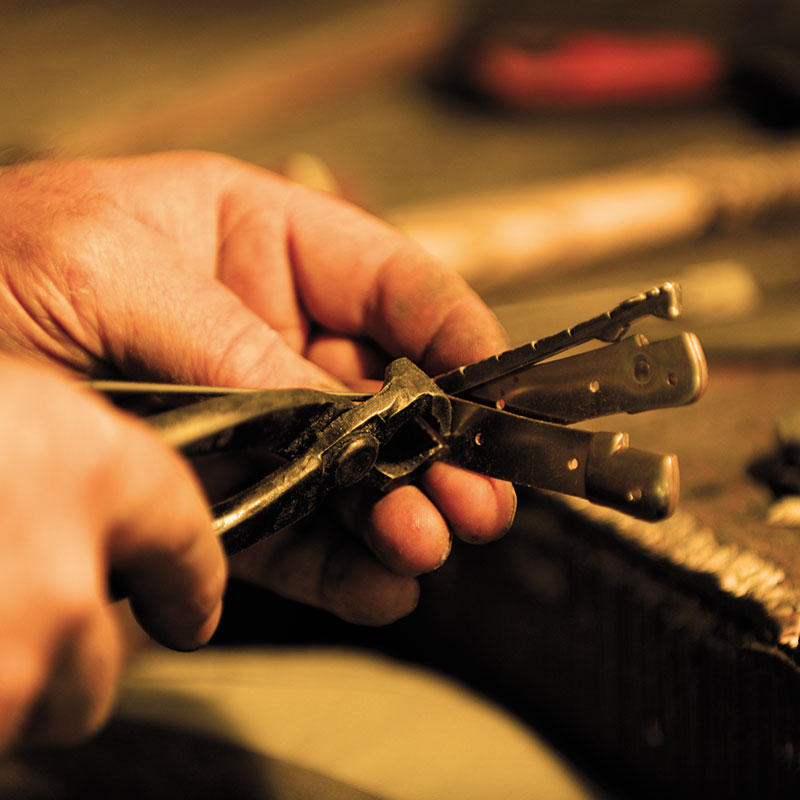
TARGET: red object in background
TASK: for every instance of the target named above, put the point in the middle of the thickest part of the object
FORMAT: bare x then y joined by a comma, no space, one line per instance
593,69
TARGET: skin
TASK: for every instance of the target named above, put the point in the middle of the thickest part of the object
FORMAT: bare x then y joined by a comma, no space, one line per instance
196,268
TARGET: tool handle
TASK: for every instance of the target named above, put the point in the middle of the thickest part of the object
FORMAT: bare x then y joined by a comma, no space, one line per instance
636,482
630,376
285,496
597,466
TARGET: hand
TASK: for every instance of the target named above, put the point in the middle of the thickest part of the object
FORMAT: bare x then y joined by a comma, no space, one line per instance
84,497
197,268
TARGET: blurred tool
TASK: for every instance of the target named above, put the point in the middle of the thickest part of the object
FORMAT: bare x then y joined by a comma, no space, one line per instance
312,172
528,68
714,292
497,238
591,68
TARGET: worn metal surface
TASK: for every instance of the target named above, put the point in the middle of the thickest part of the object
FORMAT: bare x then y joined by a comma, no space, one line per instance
330,441
633,375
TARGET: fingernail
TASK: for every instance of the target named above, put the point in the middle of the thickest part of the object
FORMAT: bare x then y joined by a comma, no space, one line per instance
511,516
446,553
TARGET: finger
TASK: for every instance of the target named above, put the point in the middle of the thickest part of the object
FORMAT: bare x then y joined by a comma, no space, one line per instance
80,690
477,508
357,276
331,571
403,528
407,533
192,329
161,542
348,359
62,643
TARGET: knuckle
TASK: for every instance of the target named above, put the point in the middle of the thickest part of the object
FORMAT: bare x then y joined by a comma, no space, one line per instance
75,697
71,594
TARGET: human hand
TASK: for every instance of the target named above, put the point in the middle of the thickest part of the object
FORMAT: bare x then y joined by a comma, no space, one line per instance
199,269
89,492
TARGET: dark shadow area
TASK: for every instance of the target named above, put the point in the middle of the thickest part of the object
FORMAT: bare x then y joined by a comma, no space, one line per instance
132,760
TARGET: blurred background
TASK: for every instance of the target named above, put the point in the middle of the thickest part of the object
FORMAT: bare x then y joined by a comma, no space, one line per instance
561,156
534,146
537,147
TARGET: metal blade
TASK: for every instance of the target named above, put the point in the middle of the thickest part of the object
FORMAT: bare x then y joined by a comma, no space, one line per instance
662,301
600,467
630,376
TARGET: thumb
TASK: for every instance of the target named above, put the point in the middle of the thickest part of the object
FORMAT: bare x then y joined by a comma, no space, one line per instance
192,329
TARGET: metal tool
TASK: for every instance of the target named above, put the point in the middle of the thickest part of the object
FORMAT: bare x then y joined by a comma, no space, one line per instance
504,417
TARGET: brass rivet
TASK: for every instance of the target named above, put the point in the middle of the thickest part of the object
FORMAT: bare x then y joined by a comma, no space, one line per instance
642,370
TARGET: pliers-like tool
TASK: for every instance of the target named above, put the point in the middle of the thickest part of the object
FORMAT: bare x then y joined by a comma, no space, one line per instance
507,416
